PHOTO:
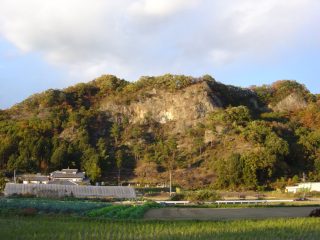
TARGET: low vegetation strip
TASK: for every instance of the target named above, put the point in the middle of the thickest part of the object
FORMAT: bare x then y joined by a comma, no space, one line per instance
123,211
44,227
34,206
50,205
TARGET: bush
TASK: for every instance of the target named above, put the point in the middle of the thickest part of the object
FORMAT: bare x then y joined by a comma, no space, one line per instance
315,213
203,195
178,197
28,212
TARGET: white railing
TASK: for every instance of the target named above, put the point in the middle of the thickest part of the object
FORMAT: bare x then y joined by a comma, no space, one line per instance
173,202
252,201
227,202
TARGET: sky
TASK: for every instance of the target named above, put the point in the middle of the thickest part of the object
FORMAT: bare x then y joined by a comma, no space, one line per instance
54,44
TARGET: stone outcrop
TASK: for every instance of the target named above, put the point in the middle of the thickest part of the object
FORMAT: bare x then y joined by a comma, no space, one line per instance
292,102
183,108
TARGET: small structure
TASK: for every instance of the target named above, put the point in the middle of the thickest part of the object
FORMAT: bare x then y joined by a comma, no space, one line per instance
72,175
35,179
304,187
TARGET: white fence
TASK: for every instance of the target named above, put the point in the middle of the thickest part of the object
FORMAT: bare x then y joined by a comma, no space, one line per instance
227,202
56,190
252,201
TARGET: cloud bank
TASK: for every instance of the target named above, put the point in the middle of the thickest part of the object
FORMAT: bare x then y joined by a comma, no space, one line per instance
130,38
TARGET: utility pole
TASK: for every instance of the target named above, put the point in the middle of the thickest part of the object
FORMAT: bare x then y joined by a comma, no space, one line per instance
14,176
170,176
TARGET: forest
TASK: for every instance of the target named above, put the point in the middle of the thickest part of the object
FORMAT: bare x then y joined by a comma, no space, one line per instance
261,137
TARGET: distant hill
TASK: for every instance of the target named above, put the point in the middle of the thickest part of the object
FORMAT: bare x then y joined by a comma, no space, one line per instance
207,133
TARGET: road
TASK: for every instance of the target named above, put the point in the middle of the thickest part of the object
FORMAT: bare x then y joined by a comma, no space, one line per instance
172,213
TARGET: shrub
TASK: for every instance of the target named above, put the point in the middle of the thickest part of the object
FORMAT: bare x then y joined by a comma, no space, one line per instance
203,195
178,197
315,213
28,212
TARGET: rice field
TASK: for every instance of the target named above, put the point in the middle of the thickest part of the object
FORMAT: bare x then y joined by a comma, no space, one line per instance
66,227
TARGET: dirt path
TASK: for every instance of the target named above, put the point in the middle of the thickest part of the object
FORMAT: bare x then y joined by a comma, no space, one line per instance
226,214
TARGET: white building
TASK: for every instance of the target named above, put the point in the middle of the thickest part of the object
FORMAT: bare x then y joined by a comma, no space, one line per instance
35,179
72,175
304,187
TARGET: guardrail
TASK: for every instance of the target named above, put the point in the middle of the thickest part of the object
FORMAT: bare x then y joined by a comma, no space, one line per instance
173,202
252,201
227,202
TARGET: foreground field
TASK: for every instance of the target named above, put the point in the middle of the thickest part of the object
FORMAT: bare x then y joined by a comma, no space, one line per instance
59,227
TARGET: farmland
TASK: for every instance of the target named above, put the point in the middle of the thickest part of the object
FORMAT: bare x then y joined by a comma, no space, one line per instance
62,227
50,206
102,210
31,218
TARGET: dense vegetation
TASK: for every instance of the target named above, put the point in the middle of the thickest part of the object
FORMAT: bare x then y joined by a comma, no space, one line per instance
50,205
123,211
244,144
35,206
26,228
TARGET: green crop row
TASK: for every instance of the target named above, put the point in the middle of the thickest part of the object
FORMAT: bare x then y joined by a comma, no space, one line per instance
123,211
50,205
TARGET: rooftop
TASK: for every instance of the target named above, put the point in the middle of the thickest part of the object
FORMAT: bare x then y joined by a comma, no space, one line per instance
35,177
68,173
62,182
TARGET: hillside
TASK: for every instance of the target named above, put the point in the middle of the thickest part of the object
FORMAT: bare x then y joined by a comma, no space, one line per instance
207,133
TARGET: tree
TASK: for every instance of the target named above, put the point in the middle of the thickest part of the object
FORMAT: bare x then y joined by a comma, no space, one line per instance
41,152
169,153
115,132
7,147
2,181
59,157
102,149
229,171
119,162
146,169
91,164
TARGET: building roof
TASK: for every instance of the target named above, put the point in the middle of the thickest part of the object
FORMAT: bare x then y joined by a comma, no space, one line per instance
70,170
35,177
66,173
62,182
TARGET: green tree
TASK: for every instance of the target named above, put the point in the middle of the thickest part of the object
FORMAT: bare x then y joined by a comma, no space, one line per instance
229,172
119,163
59,157
115,132
91,164
2,181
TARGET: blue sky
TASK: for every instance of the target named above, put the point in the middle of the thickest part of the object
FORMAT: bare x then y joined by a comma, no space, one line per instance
54,44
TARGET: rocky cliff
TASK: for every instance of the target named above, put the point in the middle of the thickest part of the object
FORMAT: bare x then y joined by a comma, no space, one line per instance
184,108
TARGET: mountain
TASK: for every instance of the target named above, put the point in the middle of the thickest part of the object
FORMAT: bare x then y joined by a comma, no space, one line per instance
206,133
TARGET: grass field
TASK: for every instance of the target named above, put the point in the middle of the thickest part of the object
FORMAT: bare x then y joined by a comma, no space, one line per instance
66,227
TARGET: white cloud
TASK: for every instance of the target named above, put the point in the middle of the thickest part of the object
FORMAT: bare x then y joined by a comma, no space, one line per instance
162,7
138,37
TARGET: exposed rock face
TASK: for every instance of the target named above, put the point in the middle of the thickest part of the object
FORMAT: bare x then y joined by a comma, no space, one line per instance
292,102
184,107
